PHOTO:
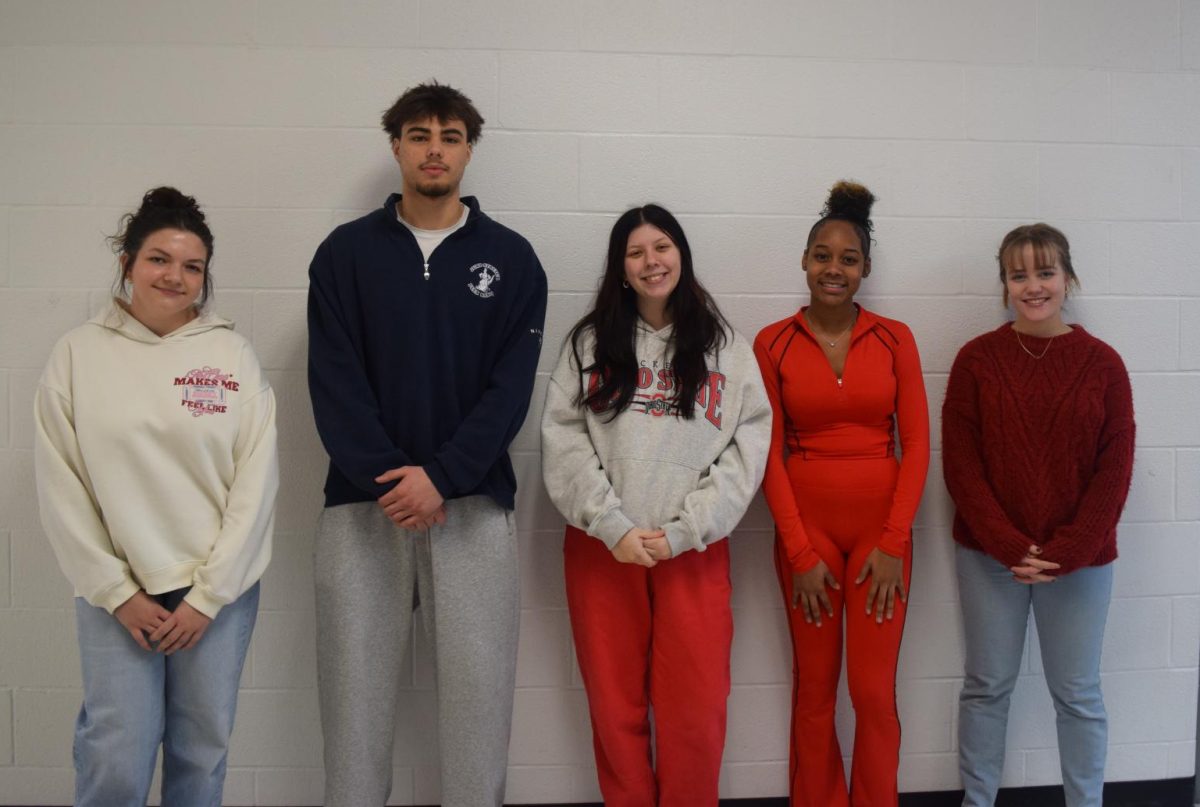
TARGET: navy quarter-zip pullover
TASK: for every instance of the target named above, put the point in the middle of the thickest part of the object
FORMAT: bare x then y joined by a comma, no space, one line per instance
415,364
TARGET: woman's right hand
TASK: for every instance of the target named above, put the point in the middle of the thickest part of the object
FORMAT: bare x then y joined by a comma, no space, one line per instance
141,616
808,592
630,549
1032,569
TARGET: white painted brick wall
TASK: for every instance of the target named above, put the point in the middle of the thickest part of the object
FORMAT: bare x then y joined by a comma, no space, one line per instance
964,117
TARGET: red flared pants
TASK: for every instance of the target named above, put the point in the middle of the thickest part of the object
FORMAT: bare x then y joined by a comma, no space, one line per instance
653,639
844,504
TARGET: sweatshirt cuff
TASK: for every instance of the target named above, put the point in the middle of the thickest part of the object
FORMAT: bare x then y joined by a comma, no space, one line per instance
610,527
681,539
115,597
437,475
204,601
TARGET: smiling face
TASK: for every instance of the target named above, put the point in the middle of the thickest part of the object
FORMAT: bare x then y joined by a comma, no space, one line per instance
834,265
165,279
432,156
652,270
1036,285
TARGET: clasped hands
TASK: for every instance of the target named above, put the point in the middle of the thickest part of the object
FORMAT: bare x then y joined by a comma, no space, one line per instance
149,623
413,503
1032,569
643,547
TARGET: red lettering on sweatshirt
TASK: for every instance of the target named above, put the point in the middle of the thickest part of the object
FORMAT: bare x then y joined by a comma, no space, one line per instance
709,397
204,390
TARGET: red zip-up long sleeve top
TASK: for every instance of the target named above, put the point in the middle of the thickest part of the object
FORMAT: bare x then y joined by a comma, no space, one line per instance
818,415
1038,451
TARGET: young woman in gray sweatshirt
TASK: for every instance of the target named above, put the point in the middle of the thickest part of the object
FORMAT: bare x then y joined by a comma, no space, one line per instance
654,440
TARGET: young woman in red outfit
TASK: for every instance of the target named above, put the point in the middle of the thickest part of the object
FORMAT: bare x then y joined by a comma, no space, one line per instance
654,438
1037,441
842,382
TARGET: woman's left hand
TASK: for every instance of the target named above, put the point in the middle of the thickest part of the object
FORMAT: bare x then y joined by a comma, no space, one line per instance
887,583
657,548
181,630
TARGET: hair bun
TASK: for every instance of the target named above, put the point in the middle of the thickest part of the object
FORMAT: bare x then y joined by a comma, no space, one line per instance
850,201
169,198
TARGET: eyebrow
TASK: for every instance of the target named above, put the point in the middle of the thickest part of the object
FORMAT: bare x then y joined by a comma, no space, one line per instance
427,130
165,254
826,246
1036,267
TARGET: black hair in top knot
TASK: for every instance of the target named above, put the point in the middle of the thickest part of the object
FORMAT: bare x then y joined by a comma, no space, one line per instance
851,202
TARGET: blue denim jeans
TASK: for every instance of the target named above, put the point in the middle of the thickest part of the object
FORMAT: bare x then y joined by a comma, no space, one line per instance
1070,614
134,700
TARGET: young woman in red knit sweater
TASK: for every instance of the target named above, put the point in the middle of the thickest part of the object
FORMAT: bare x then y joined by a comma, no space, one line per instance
1037,442
841,381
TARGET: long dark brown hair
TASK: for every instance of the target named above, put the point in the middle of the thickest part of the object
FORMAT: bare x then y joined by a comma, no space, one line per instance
699,326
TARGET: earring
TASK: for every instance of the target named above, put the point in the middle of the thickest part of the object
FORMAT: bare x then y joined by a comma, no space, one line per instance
624,284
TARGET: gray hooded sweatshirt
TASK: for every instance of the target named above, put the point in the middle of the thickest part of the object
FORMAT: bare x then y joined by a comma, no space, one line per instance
647,467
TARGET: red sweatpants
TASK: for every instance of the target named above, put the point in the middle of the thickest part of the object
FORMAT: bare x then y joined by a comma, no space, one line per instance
653,639
844,504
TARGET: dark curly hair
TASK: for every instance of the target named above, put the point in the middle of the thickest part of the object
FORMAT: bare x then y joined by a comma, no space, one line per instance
433,100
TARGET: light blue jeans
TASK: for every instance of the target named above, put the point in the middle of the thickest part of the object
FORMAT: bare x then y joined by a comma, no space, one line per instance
1070,614
134,700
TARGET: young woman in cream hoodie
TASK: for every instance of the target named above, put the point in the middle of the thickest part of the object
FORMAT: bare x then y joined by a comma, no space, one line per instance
156,476
654,440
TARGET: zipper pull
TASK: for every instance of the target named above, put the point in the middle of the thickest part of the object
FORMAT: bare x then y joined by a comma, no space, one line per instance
426,270
839,382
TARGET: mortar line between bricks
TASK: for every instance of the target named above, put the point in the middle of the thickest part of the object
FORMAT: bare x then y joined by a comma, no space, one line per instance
258,45
589,212
593,134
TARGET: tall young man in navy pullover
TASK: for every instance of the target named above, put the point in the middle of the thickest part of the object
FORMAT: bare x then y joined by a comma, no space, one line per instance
425,322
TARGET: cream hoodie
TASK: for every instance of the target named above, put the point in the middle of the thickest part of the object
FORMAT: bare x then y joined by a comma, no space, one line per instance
648,468
155,460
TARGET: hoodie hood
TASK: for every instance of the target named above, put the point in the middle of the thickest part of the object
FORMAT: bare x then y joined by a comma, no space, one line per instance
117,318
663,334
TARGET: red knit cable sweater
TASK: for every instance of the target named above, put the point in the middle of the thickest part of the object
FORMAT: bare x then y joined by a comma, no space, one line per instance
1038,451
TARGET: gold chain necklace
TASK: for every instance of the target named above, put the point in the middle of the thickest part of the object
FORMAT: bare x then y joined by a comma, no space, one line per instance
825,339
1027,350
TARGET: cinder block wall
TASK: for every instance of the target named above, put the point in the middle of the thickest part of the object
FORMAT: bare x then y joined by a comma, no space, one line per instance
965,117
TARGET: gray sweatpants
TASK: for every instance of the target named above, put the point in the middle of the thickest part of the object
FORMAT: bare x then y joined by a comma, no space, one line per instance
370,575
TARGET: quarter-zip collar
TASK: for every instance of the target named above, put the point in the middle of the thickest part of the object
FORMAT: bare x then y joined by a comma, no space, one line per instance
862,326
473,215
391,209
